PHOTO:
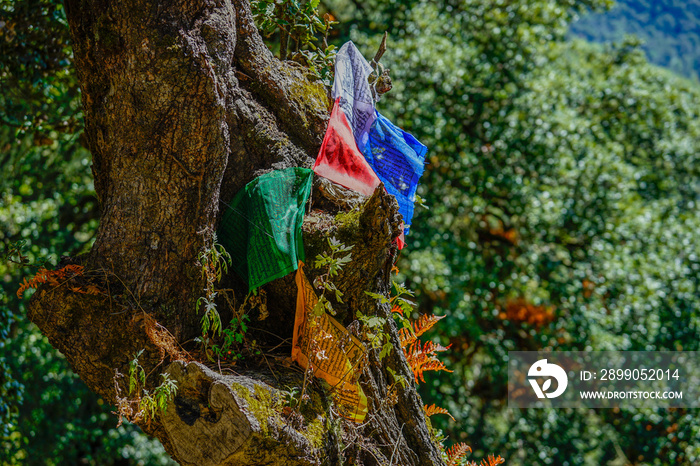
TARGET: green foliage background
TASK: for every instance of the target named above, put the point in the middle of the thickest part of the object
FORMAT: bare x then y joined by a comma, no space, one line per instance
587,157
561,174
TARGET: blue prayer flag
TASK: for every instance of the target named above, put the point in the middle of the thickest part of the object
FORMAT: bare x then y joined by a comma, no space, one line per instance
398,159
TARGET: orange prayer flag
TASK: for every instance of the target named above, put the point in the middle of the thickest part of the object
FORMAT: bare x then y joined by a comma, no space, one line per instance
334,354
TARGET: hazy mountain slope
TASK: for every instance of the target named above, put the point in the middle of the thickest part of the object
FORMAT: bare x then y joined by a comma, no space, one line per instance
670,30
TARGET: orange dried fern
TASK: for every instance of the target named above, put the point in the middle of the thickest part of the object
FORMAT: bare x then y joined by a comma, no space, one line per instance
490,461
425,323
53,278
433,409
164,340
456,453
424,358
422,325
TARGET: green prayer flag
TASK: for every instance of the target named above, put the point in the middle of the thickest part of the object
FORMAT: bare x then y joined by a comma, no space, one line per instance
261,228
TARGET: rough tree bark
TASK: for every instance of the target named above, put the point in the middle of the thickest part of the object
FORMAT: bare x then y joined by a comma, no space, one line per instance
184,104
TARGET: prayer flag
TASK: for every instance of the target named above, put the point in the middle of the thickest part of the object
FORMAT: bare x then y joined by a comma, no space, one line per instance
339,159
261,228
335,355
398,159
350,85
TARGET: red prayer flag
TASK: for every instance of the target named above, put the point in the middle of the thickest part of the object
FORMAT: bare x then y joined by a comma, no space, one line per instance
401,241
340,160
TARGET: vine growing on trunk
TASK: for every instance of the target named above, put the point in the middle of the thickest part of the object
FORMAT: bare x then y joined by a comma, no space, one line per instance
302,34
142,404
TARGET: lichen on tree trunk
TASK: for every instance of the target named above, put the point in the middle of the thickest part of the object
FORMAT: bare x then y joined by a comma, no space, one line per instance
184,104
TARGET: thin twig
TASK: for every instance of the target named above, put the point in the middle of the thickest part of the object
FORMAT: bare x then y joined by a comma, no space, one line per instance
270,367
398,439
270,351
380,52
284,40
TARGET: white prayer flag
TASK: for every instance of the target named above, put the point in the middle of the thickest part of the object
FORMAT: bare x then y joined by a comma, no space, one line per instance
350,84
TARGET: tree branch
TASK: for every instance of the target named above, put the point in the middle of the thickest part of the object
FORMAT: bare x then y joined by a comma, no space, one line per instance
184,104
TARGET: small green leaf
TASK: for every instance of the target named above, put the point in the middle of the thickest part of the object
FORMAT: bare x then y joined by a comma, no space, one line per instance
386,350
380,297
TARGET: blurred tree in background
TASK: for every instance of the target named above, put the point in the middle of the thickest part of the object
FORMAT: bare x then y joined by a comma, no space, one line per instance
563,191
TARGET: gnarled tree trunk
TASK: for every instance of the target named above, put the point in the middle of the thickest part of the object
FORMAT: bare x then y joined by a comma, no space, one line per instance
184,105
